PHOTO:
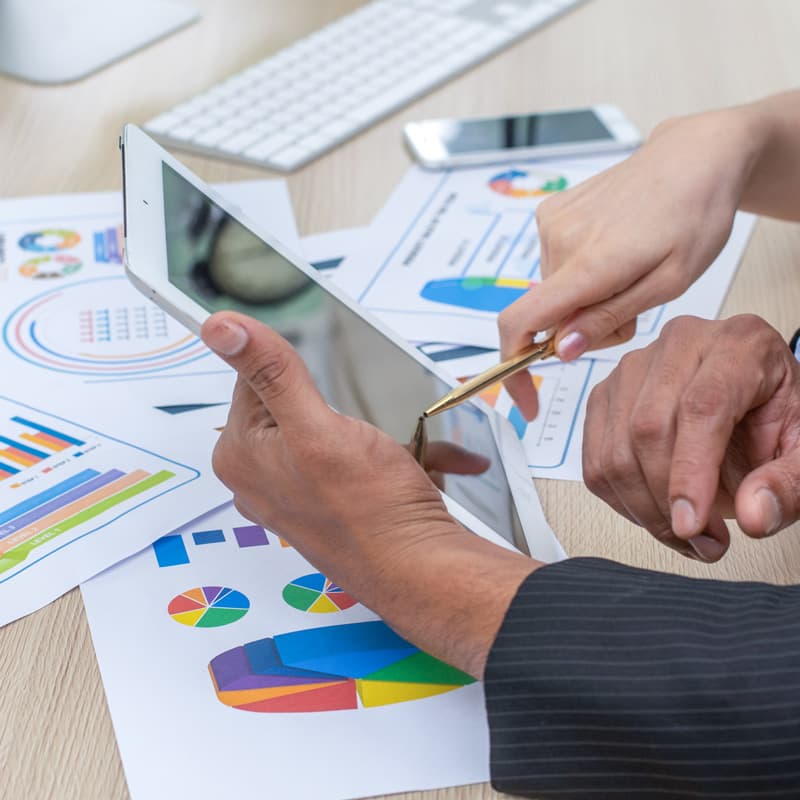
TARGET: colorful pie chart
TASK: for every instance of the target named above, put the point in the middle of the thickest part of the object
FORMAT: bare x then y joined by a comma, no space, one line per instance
519,183
316,594
208,607
58,266
50,240
361,665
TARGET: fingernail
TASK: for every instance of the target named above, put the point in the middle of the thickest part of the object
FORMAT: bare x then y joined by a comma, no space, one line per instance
684,518
770,508
571,346
227,338
707,548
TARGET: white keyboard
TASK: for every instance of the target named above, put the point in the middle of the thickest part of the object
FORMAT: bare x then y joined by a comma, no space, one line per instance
309,97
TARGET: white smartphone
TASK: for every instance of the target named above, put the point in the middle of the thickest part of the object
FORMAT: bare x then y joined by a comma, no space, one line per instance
440,143
193,253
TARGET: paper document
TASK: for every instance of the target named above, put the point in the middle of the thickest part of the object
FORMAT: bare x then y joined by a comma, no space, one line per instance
553,441
450,250
110,409
239,670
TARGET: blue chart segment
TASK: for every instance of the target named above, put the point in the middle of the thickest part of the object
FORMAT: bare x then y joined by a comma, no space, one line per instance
74,329
364,664
476,293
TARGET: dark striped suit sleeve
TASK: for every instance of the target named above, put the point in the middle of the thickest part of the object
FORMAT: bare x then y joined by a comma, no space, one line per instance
607,681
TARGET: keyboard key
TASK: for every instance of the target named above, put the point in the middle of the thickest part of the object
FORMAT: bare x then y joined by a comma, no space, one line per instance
267,146
290,157
315,142
163,122
337,128
211,137
185,132
241,141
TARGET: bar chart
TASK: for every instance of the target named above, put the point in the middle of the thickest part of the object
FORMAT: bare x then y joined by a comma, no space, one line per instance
59,482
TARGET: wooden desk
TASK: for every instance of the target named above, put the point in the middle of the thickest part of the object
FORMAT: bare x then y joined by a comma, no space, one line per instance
654,58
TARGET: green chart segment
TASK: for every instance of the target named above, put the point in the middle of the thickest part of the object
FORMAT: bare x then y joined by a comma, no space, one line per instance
315,594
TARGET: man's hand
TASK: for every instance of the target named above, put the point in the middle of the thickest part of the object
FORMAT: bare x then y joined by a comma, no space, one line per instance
700,425
355,503
631,238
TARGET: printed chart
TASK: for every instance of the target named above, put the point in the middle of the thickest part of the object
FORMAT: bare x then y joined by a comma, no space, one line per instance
101,327
208,607
341,667
316,594
309,706
56,483
450,250
61,486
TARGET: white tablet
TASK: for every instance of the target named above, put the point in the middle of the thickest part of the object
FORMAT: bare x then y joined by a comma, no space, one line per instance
192,252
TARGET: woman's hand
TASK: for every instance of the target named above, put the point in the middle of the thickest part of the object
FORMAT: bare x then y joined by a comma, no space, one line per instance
631,238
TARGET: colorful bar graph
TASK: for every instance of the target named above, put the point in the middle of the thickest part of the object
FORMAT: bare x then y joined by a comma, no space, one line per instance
45,440
60,502
250,536
77,514
208,537
48,494
170,551
7,471
18,447
62,437
102,488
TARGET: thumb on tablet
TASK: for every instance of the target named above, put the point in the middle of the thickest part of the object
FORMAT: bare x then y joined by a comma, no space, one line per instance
269,364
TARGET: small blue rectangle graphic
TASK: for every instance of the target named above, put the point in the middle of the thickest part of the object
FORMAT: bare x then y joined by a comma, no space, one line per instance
208,537
170,551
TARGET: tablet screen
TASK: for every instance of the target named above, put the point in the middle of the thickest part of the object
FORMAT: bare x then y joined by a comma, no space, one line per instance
221,264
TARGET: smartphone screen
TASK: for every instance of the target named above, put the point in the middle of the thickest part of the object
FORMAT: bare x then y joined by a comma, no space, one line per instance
221,264
507,133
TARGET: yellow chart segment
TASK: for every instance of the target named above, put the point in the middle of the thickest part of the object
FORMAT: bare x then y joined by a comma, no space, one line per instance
382,693
189,617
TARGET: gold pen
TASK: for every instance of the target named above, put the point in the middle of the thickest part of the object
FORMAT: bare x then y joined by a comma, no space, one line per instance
500,372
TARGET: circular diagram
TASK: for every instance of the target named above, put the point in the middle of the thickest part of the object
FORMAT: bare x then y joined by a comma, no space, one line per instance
316,594
101,326
58,266
518,183
49,240
208,607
